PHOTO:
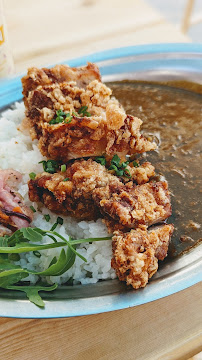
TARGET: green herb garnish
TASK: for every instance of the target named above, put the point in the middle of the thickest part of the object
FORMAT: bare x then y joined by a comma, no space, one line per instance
63,168
32,208
127,173
49,166
60,220
14,257
32,175
101,160
37,254
66,179
135,164
120,168
83,111
29,239
32,292
68,118
61,116
47,217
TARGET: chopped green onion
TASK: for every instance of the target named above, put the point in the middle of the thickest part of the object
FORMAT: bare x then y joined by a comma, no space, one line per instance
116,160
135,164
32,208
119,172
61,116
59,220
83,111
47,217
68,118
37,253
119,167
101,160
127,173
32,175
49,166
63,168
66,179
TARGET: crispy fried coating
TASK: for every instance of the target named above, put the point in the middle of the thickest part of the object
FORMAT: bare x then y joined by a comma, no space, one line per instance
74,196
131,205
106,129
58,74
136,254
141,174
90,189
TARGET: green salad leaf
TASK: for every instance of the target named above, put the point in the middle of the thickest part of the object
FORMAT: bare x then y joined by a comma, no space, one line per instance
32,292
30,240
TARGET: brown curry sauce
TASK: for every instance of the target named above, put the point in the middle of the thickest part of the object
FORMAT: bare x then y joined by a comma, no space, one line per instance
172,113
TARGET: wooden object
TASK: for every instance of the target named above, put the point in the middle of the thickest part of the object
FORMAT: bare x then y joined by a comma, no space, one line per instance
166,329
45,32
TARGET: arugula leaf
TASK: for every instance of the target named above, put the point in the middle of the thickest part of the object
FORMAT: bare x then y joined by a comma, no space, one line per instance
13,257
81,241
5,264
70,259
12,279
53,261
32,292
54,268
31,234
60,266
70,245
10,246
26,247
4,240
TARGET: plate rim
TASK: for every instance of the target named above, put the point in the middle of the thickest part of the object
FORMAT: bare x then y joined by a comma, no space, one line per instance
13,308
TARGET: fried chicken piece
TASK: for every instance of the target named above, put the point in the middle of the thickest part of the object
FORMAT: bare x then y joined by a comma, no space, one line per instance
136,254
131,205
91,189
140,174
104,129
13,213
74,196
58,74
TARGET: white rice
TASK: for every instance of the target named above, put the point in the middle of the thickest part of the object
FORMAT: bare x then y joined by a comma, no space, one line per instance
19,152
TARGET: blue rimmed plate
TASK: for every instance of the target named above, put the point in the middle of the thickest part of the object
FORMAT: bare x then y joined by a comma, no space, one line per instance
152,62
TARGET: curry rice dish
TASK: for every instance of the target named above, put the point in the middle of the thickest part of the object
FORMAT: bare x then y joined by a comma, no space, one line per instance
91,178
